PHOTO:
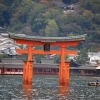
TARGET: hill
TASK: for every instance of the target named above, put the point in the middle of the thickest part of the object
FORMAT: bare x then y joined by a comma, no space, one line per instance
53,18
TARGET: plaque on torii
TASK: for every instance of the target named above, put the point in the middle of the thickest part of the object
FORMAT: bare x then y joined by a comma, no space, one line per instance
46,42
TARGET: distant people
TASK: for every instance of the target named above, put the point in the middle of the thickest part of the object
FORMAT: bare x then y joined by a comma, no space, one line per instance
97,81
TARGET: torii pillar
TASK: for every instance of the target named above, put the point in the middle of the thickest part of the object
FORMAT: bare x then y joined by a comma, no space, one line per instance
63,69
28,67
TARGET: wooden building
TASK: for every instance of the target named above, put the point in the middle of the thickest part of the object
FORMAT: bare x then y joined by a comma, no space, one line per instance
13,66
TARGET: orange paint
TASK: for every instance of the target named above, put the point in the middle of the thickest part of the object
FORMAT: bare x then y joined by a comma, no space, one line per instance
25,51
63,66
63,91
27,91
28,72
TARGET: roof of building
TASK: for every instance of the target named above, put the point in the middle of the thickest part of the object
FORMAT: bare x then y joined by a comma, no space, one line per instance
18,63
85,67
39,65
98,67
8,46
47,39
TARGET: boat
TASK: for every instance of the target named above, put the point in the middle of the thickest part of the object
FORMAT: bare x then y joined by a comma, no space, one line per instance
94,84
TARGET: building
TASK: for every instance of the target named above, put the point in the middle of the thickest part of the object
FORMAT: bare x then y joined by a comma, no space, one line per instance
13,66
7,45
94,58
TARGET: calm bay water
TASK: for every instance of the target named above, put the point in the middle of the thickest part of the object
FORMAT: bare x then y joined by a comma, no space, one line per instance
45,87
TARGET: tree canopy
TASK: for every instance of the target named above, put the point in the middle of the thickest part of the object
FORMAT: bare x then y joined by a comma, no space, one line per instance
82,57
47,18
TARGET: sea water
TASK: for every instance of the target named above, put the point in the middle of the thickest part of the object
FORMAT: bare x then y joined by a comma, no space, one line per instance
46,87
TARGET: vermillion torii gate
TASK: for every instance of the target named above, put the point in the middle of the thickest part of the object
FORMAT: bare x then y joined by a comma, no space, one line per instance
46,42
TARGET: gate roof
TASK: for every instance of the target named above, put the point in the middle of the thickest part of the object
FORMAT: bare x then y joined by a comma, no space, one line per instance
47,39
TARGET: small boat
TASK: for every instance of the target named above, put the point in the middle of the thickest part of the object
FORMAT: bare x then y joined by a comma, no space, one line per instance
94,84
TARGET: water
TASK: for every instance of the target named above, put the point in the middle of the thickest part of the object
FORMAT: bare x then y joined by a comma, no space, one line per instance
45,87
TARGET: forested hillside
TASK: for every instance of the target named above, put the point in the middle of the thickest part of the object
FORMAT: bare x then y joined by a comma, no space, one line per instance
53,18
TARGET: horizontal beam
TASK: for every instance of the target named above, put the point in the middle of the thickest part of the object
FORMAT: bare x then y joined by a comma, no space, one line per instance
54,52
46,52
25,51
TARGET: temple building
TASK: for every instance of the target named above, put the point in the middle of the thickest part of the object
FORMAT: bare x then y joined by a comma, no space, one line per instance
13,66
7,45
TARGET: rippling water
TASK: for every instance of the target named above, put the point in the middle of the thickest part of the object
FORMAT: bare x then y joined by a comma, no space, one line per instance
45,87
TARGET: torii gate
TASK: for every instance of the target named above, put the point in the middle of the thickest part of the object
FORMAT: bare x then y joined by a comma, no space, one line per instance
46,42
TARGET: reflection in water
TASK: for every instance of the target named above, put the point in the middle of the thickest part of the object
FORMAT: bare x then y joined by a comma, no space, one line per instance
27,91
63,91
45,87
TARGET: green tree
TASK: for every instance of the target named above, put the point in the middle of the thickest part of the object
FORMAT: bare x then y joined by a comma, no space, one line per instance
7,2
74,1
2,15
22,12
51,28
66,1
3,56
38,57
71,28
82,57
57,58
36,18
93,5
85,21
97,18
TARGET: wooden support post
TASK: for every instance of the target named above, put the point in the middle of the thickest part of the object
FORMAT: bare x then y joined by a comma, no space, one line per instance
24,72
63,90
28,68
67,81
30,52
64,74
28,72
63,69
62,65
27,91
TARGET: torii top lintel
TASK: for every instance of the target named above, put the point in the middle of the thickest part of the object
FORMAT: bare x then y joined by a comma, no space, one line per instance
38,40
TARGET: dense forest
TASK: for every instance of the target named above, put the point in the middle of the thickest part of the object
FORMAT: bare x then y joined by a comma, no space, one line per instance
53,18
